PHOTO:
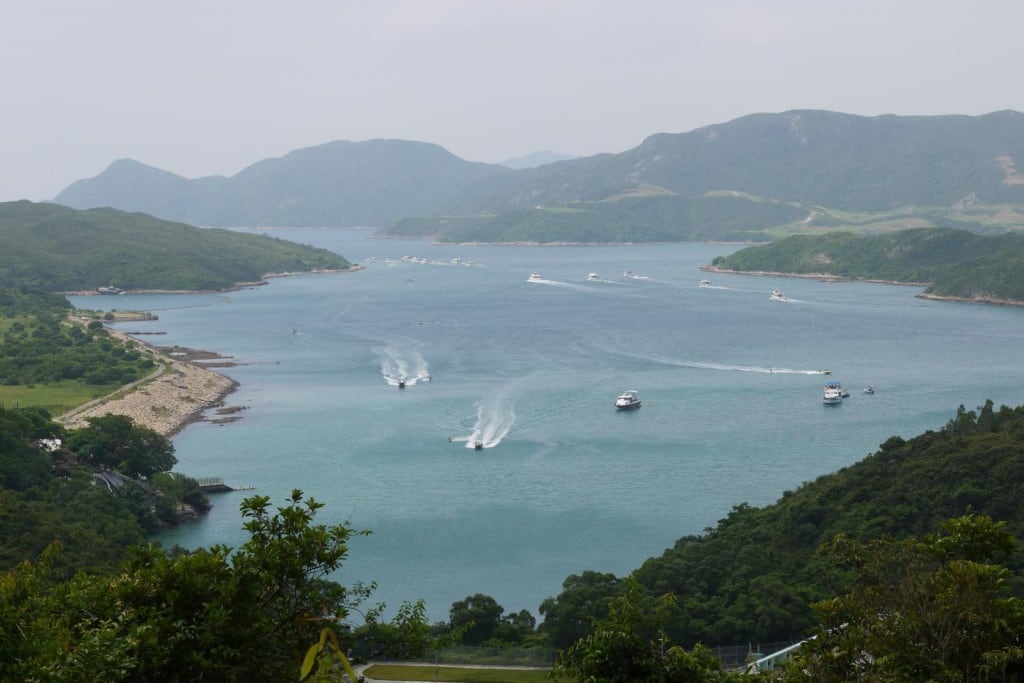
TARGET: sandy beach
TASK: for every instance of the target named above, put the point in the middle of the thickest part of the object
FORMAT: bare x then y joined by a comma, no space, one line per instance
180,392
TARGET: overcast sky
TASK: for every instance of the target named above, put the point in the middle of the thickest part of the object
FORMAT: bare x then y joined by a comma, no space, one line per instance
207,87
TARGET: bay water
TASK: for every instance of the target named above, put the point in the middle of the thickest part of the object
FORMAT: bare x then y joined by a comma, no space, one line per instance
731,385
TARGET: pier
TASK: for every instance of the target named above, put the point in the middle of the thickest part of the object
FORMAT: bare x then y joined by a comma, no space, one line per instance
217,485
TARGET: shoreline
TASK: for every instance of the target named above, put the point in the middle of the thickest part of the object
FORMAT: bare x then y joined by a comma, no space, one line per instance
182,389
177,394
233,288
827,277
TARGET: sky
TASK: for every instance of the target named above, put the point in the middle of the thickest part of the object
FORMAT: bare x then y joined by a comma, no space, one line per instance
208,87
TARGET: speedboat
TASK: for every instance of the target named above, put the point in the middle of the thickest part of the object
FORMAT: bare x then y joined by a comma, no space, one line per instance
627,400
592,277
705,283
777,295
478,445
401,383
534,277
833,394
869,390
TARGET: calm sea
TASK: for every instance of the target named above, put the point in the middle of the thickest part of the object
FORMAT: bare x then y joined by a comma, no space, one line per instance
730,384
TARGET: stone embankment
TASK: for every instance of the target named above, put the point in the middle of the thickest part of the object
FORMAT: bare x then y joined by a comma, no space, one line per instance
171,398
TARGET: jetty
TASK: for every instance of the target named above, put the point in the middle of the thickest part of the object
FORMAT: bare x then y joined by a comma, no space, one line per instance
217,485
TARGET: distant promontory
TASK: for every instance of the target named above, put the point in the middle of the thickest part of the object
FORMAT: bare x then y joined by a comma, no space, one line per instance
951,264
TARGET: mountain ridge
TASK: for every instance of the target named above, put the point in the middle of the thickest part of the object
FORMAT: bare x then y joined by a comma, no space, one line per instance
832,169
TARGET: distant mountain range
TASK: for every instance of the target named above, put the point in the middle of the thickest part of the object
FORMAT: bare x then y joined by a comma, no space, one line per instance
755,178
371,183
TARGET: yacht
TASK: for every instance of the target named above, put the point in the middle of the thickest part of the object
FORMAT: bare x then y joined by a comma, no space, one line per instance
777,295
627,400
593,277
534,277
833,394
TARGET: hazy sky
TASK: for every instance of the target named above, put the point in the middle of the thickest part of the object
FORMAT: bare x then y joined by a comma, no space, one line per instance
204,87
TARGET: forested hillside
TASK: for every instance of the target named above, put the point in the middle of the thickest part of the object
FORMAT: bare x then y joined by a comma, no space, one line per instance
54,248
952,263
753,576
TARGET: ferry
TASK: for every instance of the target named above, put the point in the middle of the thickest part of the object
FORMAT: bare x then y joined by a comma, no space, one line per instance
833,394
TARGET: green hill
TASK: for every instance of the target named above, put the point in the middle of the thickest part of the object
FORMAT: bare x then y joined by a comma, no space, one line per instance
752,577
55,248
953,263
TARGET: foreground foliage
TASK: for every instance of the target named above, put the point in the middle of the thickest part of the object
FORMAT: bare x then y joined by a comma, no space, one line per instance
931,609
217,614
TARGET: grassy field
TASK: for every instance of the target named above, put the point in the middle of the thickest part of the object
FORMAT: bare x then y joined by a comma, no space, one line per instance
457,674
56,397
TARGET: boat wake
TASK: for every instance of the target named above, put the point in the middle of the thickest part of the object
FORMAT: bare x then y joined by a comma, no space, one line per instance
494,419
728,367
402,367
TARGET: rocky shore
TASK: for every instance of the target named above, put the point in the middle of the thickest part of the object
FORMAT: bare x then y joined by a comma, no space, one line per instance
180,392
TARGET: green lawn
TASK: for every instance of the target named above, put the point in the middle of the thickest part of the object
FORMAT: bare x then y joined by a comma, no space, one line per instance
56,397
456,674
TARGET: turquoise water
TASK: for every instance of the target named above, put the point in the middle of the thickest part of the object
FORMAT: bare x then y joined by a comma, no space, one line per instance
730,383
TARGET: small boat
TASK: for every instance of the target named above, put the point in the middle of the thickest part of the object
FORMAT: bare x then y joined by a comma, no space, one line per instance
534,277
833,394
592,277
777,295
401,383
705,283
478,445
869,390
826,372
627,400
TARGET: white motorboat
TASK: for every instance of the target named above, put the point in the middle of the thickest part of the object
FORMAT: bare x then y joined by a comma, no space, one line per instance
627,400
534,277
833,393
705,283
777,295
869,390
592,277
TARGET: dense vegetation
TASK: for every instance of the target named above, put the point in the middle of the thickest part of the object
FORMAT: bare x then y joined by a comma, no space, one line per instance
953,263
49,490
339,183
41,348
53,248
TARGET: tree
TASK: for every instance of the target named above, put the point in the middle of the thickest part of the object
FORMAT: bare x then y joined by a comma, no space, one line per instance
116,441
931,609
211,615
629,645
479,615
584,598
